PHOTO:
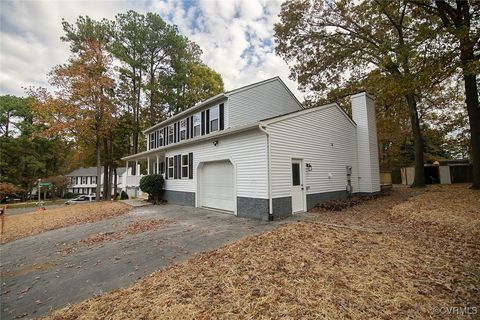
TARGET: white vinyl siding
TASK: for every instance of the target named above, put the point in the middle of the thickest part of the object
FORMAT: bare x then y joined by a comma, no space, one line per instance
246,150
263,101
326,139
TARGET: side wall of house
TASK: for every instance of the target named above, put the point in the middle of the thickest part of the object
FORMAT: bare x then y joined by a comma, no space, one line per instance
248,153
260,102
326,139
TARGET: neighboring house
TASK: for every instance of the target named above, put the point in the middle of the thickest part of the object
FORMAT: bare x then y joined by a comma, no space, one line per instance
256,152
84,180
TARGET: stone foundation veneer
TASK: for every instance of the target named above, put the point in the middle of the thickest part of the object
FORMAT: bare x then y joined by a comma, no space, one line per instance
257,208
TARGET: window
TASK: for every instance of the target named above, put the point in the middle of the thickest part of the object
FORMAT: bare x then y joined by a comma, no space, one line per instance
94,180
185,166
170,167
214,119
295,174
196,124
152,141
170,134
73,180
160,139
183,129
84,180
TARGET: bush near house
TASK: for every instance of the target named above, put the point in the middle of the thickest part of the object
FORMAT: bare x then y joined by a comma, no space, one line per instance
153,185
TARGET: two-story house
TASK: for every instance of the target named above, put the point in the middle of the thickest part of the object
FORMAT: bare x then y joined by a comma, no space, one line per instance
84,180
257,152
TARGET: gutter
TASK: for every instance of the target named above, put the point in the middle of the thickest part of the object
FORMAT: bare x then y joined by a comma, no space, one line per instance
269,172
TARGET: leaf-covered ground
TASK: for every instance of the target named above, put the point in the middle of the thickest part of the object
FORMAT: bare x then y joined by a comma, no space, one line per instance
425,258
24,225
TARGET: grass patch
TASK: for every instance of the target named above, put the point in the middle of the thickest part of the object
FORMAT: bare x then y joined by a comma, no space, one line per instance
28,224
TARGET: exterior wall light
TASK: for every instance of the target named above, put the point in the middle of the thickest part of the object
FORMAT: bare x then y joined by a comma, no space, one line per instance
309,166
215,143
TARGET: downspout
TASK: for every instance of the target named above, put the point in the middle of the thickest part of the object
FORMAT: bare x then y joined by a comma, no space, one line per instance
269,171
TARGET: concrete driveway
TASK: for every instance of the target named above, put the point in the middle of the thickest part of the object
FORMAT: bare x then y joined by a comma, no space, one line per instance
37,279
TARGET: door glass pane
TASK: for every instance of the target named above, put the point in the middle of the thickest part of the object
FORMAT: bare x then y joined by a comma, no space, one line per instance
295,174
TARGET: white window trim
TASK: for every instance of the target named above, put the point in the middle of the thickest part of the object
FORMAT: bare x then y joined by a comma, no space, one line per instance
171,167
184,165
183,128
213,119
170,130
197,125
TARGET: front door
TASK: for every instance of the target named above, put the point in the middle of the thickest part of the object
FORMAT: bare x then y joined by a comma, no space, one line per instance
297,187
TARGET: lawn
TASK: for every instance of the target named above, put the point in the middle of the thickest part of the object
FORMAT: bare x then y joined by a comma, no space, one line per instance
409,255
24,225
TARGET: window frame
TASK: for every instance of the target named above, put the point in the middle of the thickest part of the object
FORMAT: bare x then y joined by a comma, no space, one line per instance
160,138
170,130
170,166
83,180
183,129
184,166
199,124
211,119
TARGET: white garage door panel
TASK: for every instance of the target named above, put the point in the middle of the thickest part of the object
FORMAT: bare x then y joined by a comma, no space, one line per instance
217,185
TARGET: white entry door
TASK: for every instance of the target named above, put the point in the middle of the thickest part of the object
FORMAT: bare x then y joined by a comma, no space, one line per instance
298,196
217,185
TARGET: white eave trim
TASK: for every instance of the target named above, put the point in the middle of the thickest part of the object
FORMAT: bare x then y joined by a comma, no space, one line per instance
306,111
218,97
210,136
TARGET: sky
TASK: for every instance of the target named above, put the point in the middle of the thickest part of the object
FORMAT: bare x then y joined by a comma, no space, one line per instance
236,37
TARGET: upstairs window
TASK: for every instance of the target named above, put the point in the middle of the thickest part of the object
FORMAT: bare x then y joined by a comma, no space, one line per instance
152,141
183,129
170,134
160,138
196,124
214,119
94,180
84,180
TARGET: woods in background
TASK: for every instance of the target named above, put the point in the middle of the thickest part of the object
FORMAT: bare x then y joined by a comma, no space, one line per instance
410,54
122,76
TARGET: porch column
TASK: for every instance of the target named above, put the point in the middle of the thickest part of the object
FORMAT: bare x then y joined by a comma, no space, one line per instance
148,166
136,168
158,165
126,166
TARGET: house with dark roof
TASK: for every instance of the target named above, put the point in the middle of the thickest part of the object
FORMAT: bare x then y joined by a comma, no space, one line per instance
257,152
84,180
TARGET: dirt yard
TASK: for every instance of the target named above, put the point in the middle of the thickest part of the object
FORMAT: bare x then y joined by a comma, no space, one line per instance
24,225
412,254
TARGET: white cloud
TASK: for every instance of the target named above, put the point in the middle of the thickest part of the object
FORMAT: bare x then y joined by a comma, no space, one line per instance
236,37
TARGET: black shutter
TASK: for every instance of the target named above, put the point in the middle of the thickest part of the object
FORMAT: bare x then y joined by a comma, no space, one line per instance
187,136
175,132
222,116
202,124
165,136
190,165
207,121
191,127
174,167
166,168
178,131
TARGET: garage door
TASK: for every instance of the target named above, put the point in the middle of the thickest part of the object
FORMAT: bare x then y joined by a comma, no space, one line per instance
217,185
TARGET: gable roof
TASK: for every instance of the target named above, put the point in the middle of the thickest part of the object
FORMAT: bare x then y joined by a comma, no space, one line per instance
306,111
92,171
220,97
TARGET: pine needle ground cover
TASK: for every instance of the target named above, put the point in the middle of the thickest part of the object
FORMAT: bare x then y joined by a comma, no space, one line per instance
28,224
428,259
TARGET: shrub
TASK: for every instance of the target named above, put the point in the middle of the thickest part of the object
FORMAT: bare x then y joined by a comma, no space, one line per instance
123,195
68,195
153,185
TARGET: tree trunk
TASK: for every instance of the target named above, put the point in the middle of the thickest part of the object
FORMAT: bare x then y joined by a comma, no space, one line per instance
106,176
471,99
99,169
115,183
419,179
